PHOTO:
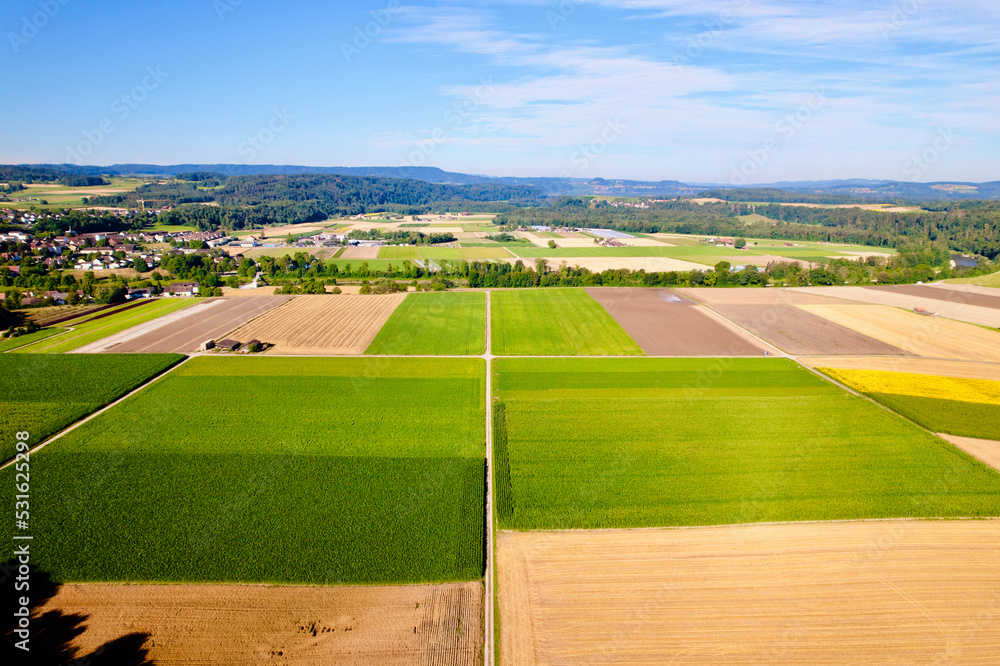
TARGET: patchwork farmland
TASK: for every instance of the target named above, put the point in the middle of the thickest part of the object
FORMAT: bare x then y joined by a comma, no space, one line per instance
340,509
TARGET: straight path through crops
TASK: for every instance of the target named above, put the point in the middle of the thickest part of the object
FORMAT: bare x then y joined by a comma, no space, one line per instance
873,592
564,322
434,324
490,577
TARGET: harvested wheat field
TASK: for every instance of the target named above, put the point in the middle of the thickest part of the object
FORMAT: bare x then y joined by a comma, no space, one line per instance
354,252
796,331
867,592
251,624
665,325
959,306
934,337
985,450
340,324
911,364
187,334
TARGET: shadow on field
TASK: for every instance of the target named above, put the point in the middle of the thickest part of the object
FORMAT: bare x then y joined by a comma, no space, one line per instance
50,634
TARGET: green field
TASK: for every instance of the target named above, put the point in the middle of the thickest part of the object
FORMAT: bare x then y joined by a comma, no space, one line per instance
43,394
442,323
374,473
30,338
84,334
614,443
992,280
549,322
954,417
431,252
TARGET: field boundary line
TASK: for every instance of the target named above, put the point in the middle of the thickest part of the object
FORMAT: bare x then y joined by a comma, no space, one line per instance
489,618
94,415
767,345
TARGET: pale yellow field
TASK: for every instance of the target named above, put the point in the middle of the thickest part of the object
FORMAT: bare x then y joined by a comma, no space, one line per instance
257,624
651,264
333,324
980,391
983,316
985,450
934,337
920,366
861,592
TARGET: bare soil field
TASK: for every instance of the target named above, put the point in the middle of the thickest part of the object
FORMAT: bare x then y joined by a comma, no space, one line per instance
968,288
282,232
956,308
360,253
766,296
339,324
259,624
797,332
985,450
863,592
949,295
665,325
912,364
187,334
934,337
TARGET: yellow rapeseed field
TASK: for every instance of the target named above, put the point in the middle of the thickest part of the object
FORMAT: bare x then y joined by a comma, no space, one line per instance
981,391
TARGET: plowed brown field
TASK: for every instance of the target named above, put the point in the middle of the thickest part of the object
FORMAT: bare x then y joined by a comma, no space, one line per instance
187,334
796,331
256,624
665,325
861,592
322,324
934,337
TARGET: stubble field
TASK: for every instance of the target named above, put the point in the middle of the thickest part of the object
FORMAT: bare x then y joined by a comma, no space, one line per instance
873,592
331,324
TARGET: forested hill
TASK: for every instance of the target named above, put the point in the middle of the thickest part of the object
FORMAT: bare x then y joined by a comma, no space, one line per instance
249,201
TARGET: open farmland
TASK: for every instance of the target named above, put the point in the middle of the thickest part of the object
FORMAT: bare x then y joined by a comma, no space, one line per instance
971,308
957,406
187,334
914,364
795,331
565,322
323,324
440,323
373,474
992,281
987,450
100,326
31,338
45,393
606,443
241,624
665,325
874,592
921,335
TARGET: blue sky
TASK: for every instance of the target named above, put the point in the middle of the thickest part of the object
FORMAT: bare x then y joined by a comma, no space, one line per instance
740,91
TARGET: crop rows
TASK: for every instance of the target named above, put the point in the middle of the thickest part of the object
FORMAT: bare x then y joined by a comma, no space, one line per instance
435,324
318,470
715,453
42,394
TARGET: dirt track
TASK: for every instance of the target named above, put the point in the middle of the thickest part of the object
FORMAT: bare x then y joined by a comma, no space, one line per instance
665,325
796,331
925,336
257,624
185,335
863,592
330,324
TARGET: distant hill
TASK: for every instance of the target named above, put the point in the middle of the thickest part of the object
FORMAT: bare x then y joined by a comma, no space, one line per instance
855,190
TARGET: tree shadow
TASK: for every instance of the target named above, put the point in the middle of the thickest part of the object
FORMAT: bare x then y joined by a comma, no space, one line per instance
51,634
